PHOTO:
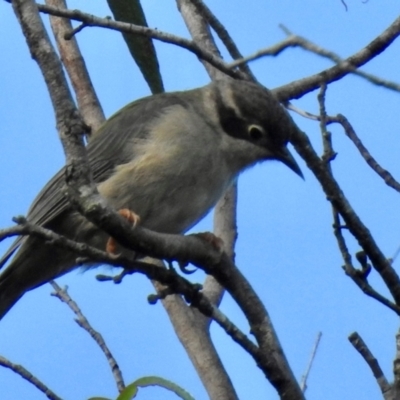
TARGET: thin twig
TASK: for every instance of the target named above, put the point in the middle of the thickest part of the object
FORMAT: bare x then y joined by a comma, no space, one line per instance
91,20
359,277
223,34
73,61
303,383
81,320
359,344
176,283
366,155
338,199
395,255
396,368
299,41
329,154
300,87
303,113
273,50
24,373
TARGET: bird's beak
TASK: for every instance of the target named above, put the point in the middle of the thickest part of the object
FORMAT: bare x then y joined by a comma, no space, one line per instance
286,157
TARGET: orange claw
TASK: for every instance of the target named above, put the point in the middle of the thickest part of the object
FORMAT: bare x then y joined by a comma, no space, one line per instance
134,219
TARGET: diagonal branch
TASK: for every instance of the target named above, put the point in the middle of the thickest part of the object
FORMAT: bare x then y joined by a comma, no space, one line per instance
339,201
175,283
303,383
223,34
91,20
359,277
24,373
81,320
300,87
299,41
359,344
366,155
73,61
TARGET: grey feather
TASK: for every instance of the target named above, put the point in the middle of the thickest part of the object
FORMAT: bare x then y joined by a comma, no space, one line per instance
108,149
169,158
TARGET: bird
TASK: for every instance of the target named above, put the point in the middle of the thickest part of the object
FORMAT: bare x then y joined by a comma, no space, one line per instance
168,158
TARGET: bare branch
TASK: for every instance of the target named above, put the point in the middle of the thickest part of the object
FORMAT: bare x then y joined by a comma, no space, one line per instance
329,154
225,228
200,32
303,383
359,277
69,123
273,50
81,320
87,99
358,343
300,87
176,283
223,34
24,373
91,20
366,155
336,196
299,41
188,324
396,368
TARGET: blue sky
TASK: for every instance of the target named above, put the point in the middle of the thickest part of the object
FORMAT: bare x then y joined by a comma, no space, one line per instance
286,247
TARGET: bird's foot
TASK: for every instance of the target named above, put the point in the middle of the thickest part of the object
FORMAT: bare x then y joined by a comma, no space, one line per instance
134,219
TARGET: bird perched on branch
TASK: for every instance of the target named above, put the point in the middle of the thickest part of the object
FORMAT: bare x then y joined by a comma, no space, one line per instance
168,158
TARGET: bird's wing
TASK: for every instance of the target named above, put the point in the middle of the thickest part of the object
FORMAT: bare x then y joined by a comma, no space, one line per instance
110,147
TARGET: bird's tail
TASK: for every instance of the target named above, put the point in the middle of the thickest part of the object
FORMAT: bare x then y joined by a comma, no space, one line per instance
11,287
32,266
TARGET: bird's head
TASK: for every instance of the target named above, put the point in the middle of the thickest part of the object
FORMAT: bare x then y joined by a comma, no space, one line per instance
256,126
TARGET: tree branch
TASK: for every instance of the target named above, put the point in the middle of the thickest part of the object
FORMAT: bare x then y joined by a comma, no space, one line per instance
81,320
366,155
223,34
336,196
24,373
299,41
91,20
300,87
73,61
303,383
358,343
358,276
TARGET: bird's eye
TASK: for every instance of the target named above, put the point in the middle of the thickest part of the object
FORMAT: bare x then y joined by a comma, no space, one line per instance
256,132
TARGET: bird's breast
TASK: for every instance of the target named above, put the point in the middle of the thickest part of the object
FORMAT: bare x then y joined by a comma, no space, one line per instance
174,180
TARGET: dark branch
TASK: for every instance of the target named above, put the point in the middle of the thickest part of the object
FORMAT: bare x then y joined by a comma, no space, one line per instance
340,203
359,277
300,87
366,155
359,344
81,320
223,34
91,20
24,373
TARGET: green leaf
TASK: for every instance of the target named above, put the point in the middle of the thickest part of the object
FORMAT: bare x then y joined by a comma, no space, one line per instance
128,393
140,47
131,390
99,398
